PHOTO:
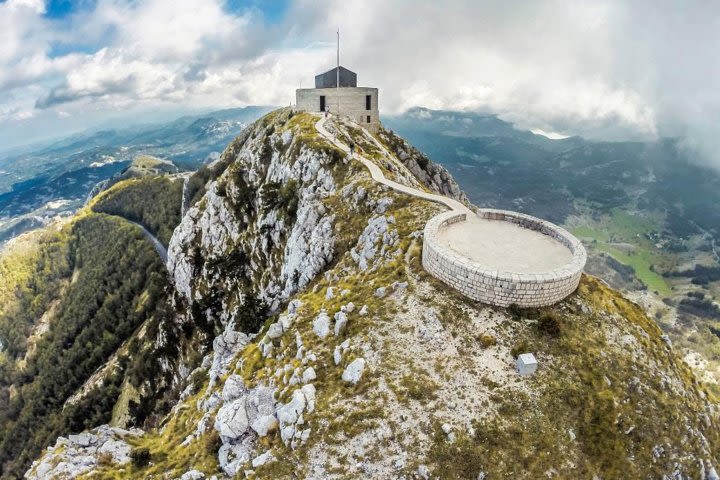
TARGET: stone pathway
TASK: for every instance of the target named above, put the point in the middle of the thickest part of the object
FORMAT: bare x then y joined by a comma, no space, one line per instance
378,175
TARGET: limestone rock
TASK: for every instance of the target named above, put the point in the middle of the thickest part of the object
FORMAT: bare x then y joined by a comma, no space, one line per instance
309,392
321,325
78,454
288,414
264,424
275,330
232,456
308,375
399,286
262,459
712,474
340,322
383,204
232,420
192,475
117,449
366,249
234,387
225,346
354,371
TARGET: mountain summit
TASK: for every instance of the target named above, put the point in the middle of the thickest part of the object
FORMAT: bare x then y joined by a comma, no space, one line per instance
294,333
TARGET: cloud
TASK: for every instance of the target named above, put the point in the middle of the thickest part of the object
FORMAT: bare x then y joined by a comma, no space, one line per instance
114,77
602,69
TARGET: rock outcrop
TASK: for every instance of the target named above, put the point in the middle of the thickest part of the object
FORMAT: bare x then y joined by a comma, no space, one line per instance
335,355
77,454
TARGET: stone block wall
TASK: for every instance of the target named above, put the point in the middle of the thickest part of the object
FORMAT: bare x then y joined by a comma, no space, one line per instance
499,288
352,103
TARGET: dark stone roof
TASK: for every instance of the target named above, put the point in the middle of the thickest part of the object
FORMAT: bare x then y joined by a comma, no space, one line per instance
329,78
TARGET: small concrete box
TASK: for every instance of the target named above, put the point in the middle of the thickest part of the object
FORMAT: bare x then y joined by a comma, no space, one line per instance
526,364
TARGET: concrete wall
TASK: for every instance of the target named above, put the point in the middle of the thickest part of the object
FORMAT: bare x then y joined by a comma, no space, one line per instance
352,103
502,288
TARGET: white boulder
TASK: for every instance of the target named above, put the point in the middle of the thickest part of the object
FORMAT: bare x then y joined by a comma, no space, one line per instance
321,325
264,424
340,322
192,475
262,459
275,330
308,375
354,371
309,392
232,420
233,388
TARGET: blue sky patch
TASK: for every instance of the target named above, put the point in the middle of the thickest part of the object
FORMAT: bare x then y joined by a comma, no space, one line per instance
63,8
273,10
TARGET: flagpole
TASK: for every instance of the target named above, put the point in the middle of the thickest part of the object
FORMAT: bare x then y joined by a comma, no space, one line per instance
337,80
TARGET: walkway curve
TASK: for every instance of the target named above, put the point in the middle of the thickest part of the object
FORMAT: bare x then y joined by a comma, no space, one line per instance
379,177
159,247
472,279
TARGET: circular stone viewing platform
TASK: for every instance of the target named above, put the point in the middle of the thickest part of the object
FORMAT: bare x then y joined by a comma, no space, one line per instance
503,258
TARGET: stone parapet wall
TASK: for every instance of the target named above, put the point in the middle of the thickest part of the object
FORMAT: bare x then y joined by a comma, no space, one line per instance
496,287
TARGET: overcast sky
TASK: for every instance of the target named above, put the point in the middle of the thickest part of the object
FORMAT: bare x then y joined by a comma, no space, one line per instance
601,69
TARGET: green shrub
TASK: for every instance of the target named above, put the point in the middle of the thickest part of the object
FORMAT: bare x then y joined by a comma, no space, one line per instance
419,387
281,196
213,442
487,340
550,324
520,347
140,457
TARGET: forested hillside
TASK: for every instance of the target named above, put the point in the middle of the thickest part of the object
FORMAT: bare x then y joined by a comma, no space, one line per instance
154,202
72,300
33,273
117,282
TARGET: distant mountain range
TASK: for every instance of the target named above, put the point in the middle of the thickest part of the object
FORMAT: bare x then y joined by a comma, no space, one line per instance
37,186
500,166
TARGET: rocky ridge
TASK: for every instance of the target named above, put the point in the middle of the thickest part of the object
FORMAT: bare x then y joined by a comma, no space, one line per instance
336,355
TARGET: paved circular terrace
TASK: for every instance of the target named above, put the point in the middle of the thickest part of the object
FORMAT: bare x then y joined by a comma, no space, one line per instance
495,256
504,246
506,273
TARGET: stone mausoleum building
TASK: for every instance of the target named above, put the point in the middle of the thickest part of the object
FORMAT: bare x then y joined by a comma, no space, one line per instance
358,103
